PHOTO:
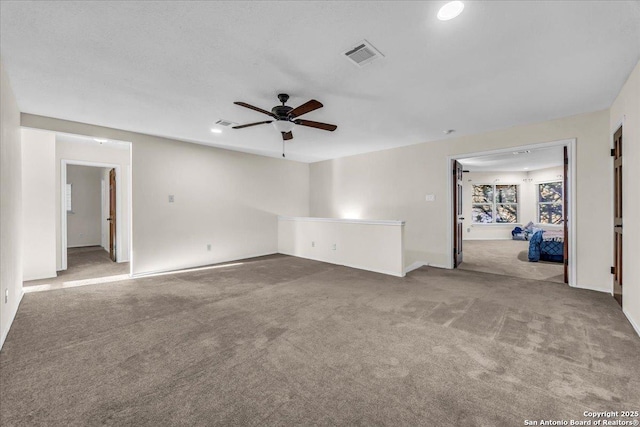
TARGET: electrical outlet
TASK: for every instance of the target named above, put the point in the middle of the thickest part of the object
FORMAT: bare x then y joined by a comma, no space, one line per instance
333,247
6,296
171,198
468,229
313,244
209,247
430,198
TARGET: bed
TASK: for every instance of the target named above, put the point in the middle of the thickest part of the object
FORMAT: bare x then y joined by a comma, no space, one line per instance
547,245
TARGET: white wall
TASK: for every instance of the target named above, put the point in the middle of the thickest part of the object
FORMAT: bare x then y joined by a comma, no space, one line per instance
367,245
627,106
393,184
84,225
10,207
228,199
38,204
527,202
95,152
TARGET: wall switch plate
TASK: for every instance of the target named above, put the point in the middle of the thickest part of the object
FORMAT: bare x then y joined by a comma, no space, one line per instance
313,244
6,296
209,247
430,198
333,247
171,199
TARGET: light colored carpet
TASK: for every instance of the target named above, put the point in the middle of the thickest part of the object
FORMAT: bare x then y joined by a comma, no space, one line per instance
84,263
510,258
287,341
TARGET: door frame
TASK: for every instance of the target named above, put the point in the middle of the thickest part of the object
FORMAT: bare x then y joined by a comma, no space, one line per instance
570,185
618,124
63,207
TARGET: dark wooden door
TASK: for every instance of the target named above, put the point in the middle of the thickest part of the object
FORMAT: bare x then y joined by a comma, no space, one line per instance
112,214
457,214
617,216
565,222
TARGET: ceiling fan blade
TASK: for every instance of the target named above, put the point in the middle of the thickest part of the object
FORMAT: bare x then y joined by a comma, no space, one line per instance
260,110
318,125
252,124
305,108
287,136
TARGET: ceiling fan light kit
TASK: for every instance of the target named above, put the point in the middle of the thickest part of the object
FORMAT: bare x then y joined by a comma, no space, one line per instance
283,126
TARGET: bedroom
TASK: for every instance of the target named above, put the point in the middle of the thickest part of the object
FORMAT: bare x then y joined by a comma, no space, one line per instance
513,206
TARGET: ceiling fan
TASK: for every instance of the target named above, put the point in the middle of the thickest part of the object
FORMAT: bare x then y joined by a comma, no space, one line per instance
285,117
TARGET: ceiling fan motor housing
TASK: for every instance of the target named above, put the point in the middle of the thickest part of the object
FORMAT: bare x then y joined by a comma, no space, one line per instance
281,111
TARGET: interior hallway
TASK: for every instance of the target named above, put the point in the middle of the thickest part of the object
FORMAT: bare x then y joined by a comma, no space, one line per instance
509,258
290,341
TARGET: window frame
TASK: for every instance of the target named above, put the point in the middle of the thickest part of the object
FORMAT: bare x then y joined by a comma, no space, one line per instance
494,203
538,202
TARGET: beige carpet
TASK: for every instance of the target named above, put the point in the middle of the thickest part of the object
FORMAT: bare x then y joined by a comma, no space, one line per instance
287,341
510,258
84,263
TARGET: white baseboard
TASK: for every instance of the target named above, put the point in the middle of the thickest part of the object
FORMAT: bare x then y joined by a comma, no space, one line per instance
416,265
40,277
359,267
13,316
605,290
169,270
446,267
633,323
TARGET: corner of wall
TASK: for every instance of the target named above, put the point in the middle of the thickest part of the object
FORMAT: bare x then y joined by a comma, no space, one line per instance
10,206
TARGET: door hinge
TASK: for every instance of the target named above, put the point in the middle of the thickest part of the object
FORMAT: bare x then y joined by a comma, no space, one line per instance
566,261
566,161
613,270
613,152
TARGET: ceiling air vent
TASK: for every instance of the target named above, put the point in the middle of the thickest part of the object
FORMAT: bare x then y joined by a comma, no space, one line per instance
227,123
363,53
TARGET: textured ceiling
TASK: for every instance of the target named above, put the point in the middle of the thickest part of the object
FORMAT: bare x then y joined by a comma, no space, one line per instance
174,68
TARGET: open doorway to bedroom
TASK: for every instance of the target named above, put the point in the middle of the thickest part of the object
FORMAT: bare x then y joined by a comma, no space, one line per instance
91,202
88,181
511,212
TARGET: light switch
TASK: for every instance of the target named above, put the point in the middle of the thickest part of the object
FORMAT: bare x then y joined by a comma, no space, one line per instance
431,198
170,198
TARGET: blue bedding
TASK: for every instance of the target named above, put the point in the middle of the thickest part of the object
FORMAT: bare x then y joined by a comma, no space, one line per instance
540,249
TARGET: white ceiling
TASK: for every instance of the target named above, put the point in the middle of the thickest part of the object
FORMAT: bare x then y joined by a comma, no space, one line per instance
522,160
174,68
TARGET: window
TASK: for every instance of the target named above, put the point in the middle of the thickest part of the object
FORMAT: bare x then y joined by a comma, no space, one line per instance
550,202
493,203
68,198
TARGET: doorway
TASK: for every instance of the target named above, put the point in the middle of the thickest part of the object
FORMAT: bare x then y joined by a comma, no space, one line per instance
512,212
90,201
616,153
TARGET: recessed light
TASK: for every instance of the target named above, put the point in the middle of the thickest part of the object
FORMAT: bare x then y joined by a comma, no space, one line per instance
450,10
216,130
100,140
448,131
525,168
